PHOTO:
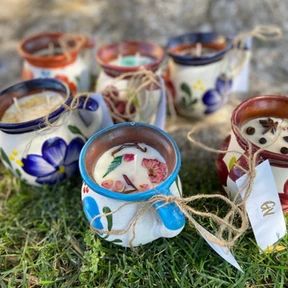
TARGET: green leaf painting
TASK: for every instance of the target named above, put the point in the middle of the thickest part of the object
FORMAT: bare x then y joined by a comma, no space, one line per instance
5,158
186,89
75,130
108,217
113,165
187,100
232,162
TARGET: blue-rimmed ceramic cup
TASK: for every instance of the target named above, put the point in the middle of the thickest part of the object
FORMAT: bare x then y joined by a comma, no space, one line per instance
198,72
46,152
158,221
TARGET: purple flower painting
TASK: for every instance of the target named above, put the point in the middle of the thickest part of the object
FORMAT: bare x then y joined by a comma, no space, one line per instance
215,98
57,162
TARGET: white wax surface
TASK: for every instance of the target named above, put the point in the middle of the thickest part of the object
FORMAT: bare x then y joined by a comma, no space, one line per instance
274,141
133,169
32,107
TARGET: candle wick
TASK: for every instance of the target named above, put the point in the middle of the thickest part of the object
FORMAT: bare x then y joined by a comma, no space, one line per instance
47,99
198,49
16,104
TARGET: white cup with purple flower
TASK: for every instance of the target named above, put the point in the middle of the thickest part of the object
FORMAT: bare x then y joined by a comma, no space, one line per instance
198,74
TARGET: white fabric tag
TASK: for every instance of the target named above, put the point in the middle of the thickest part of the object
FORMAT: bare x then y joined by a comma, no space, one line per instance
263,206
222,251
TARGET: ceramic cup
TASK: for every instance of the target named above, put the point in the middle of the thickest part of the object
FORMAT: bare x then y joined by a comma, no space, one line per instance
199,83
261,106
43,58
128,57
40,154
166,221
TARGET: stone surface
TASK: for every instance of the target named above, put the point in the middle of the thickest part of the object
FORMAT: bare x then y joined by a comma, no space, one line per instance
113,20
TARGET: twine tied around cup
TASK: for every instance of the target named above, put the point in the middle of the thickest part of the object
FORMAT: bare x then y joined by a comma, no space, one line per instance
238,52
125,103
226,236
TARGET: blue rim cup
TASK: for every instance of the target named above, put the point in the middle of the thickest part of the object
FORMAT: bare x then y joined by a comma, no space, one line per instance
131,132
30,87
176,47
11,131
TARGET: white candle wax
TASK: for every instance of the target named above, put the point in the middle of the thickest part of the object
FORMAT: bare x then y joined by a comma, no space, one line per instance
32,107
134,170
269,133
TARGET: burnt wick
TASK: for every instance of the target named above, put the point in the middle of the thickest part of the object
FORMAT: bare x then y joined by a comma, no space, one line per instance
136,145
129,182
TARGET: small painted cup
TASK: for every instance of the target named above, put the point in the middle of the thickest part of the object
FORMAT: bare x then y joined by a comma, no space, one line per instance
38,153
197,73
131,57
44,57
261,106
159,221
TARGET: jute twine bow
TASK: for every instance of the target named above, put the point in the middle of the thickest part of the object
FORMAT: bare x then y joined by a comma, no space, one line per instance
227,234
134,93
262,32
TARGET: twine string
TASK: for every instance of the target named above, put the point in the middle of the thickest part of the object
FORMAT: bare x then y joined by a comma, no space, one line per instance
138,84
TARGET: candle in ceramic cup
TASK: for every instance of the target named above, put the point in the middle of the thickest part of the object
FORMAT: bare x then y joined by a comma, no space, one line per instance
130,167
268,132
131,60
32,107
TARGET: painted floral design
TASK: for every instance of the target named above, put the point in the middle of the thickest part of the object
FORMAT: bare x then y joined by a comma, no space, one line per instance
72,86
213,99
284,197
117,185
57,162
187,99
27,74
157,171
128,157
116,105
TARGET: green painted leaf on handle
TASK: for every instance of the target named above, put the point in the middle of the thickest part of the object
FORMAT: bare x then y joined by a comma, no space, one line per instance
186,89
232,162
116,241
75,130
108,217
5,158
113,165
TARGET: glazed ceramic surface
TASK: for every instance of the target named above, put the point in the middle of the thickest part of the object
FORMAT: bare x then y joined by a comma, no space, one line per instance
40,154
150,56
164,221
70,68
199,84
254,108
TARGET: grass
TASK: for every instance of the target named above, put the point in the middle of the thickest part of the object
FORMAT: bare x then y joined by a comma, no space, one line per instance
45,242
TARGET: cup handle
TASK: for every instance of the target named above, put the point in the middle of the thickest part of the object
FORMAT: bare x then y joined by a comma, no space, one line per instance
170,214
93,113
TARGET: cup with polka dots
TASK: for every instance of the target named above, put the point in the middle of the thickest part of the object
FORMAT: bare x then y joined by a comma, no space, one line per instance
260,123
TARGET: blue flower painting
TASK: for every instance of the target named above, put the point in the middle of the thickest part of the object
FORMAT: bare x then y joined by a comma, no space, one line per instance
215,98
57,162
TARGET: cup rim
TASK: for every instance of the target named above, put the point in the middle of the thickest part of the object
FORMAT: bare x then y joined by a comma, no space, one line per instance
52,61
115,70
138,196
38,123
194,37
277,159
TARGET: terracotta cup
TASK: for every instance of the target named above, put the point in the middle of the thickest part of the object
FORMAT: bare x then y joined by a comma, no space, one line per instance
261,106
56,55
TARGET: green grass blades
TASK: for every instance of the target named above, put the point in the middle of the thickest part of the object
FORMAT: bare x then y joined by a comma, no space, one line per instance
45,241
